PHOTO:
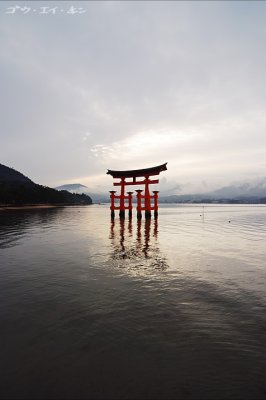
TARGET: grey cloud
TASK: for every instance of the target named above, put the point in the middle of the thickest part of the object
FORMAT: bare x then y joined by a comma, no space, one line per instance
129,67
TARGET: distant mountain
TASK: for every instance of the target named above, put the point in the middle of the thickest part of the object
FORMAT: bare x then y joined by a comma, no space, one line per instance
254,192
100,198
247,192
186,198
17,189
247,189
78,188
73,188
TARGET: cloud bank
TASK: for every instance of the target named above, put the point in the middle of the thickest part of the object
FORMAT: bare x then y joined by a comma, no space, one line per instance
134,84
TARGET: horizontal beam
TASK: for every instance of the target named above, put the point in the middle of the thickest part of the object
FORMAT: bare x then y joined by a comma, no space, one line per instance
150,182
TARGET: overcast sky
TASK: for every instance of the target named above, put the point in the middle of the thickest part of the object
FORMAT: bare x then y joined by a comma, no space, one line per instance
130,84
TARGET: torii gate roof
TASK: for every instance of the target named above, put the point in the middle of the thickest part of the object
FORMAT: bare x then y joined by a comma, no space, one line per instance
138,172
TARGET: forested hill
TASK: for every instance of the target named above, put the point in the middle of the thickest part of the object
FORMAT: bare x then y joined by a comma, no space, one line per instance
11,175
17,189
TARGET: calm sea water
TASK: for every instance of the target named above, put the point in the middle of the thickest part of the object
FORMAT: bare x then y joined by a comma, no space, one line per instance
168,309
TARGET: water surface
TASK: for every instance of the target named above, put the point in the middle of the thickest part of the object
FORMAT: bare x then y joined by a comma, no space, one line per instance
173,308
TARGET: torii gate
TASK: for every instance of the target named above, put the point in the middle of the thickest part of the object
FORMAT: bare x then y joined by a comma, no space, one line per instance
133,174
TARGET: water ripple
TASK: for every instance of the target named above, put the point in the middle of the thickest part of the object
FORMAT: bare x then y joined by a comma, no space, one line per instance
173,308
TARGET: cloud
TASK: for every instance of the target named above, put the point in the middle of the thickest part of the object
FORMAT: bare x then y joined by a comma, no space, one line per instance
135,84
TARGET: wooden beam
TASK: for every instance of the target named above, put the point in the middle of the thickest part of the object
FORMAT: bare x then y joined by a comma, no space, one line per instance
150,182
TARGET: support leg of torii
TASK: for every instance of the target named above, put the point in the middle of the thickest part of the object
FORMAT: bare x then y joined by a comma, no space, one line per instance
147,198
122,199
155,192
139,215
112,207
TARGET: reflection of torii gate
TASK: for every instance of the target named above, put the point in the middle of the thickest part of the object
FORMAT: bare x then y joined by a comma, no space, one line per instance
133,174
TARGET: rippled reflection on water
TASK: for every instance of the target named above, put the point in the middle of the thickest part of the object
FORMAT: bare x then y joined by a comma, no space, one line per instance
140,254
173,308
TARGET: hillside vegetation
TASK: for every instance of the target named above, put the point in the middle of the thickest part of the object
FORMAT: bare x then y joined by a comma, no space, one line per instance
17,189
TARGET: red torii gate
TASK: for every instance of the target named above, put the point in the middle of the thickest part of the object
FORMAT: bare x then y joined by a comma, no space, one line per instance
134,174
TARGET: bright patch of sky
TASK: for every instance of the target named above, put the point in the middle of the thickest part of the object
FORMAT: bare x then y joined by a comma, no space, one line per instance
130,84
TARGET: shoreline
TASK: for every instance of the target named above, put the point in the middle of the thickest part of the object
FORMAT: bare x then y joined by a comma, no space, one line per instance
4,207
10,207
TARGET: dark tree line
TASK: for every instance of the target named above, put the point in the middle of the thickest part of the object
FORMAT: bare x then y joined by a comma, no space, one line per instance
20,193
